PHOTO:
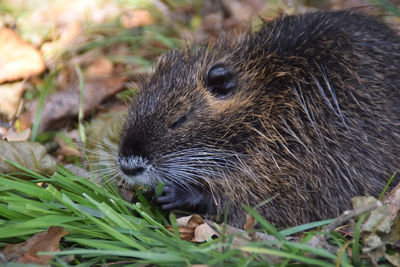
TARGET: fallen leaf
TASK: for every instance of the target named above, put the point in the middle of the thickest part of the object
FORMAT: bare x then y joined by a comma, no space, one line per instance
69,35
25,121
10,97
191,221
378,230
136,18
204,232
242,11
67,150
56,15
65,104
103,137
379,219
250,223
193,228
26,252
30,155
393,259
100,67
11,135
18,59
228,16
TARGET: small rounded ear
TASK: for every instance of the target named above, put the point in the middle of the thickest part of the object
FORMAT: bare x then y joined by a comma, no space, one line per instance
220,81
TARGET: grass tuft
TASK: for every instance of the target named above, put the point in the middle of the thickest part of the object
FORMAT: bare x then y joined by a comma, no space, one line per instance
103,228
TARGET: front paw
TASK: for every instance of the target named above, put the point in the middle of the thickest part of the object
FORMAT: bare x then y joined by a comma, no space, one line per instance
174,197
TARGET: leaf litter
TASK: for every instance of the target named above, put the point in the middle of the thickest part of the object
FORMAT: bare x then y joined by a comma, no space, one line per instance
31,155
18,59
27,251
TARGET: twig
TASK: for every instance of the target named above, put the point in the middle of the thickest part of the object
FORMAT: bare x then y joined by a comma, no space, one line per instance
348,214
320,240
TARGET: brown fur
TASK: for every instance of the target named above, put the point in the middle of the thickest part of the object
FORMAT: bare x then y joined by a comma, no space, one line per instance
313,120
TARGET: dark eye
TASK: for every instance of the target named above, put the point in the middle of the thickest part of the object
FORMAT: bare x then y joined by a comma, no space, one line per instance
220,81
178,122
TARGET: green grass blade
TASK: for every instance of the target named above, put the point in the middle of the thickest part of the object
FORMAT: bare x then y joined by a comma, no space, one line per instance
283,254
154,257
105,227
42,97
387,185
16,229
356,244
304,227
26,187
81,114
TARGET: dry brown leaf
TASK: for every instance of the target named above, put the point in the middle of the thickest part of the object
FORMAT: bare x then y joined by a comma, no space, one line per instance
226,16
53,17
193,221
203,232
52,50
193,228
66,150
25,120
100,67
18,59
11,135
250,223
26,252
242,11
63,12
186,233
32,156
10,97
65,104
136,18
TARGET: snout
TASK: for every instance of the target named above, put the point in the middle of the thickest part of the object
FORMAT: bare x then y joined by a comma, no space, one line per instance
134,169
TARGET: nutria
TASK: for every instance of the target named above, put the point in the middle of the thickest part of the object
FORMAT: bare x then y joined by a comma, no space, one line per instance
304,112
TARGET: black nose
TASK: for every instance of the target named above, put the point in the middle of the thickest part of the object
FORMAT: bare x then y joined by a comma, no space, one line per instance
132,171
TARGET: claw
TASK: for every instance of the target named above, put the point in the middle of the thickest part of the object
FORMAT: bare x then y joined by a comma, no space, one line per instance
178,198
